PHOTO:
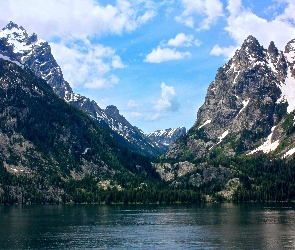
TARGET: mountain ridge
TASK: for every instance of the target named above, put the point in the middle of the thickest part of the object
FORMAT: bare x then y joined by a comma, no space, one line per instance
29,51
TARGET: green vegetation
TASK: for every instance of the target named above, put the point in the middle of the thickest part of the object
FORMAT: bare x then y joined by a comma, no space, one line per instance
264,179
52,152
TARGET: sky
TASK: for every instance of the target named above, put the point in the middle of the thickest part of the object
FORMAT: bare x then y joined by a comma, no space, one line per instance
154,60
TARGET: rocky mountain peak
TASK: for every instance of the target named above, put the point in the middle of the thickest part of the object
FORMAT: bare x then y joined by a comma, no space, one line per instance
10,26
113,113
19,33
14,32
290,55
251,43
290,46
244,103
111,110
249,53
273,50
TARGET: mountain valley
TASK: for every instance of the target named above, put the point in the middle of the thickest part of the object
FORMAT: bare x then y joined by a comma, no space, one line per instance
58,146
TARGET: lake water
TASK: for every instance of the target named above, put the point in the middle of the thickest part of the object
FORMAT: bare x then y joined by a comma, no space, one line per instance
205,226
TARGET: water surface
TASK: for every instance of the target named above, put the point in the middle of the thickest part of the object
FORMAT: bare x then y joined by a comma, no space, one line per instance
206,226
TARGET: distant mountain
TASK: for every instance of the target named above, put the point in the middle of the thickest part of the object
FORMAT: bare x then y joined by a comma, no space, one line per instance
35,55
165,138
248,115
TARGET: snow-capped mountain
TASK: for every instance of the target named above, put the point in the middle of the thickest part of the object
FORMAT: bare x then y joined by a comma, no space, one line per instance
245,104
165,138
35,55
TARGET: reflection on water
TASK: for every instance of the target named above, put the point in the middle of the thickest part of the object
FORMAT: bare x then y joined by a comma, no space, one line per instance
206,226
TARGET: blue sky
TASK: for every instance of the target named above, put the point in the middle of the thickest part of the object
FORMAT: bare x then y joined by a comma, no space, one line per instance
152,59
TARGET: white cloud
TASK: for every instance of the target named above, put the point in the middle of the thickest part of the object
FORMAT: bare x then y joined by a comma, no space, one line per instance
289,13
168,100
181,40
103,102
227,52
242,23
117,62
210,9
77,18
234,7
87,65
162,53
186,20
167,103
151,118
136,114
132,104
165,54
197,43
98,83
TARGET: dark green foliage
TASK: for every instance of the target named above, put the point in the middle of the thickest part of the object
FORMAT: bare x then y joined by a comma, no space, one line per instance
197,134
288,124
265,179
281,110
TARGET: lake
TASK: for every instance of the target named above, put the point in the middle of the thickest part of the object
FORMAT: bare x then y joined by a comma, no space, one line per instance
204,226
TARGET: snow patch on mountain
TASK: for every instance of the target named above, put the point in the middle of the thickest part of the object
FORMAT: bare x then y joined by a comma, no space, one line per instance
288,92
205,123
222,136
289,153
8,59
19,39
245,103
268,145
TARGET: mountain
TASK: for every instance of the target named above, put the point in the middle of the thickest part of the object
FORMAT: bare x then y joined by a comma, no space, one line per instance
247,116
53,152
54,149
245,105
165,138
35,56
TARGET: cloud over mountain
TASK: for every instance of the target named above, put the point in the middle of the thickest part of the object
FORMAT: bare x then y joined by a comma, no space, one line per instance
242,21
78,18
87,66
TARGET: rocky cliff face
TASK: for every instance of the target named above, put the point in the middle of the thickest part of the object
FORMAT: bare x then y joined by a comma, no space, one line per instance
35,54
244,105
